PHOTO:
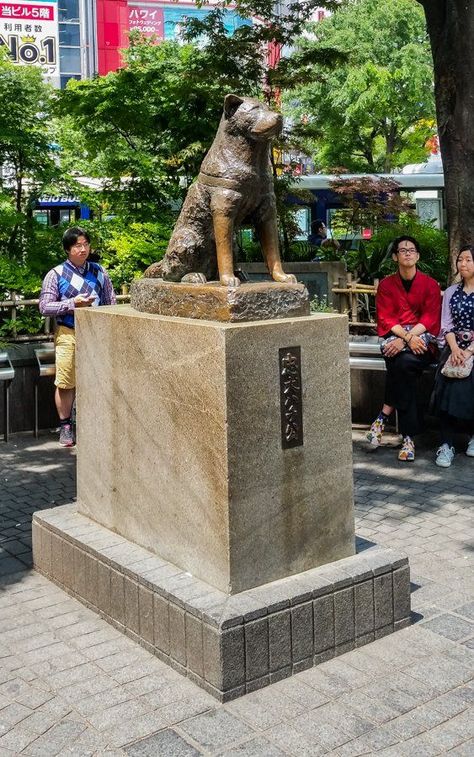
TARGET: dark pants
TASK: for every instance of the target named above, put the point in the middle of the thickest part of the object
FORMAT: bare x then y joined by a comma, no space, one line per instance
403,372
449,426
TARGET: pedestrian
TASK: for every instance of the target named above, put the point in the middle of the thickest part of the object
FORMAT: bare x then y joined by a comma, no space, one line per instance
75,283
453,395
408,309
319,237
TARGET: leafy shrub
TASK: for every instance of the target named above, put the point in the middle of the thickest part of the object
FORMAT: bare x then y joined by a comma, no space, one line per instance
376,261
126,250
372,259
17,277
250,251
321,305
28,321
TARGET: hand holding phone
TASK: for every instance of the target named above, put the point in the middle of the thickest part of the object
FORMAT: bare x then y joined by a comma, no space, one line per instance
84,300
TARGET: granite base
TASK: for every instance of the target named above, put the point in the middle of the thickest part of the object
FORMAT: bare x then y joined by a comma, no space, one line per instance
228,645
192,461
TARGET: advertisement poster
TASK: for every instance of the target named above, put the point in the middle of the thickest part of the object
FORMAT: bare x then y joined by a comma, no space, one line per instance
148,20
174,18
30,32
165,20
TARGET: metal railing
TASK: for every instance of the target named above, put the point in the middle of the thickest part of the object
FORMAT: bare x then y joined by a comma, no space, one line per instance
7,374
46,364
366,356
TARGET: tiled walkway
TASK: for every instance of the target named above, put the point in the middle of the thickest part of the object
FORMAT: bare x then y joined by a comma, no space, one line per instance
70,684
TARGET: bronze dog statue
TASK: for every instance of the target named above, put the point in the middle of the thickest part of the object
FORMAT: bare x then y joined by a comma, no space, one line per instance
234,186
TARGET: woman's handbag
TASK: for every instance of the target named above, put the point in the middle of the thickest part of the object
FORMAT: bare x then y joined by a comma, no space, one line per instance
457,371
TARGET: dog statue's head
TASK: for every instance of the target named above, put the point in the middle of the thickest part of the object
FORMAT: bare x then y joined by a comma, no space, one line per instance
251,117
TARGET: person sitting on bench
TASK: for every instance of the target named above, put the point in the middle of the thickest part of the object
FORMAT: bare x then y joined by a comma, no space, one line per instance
408,313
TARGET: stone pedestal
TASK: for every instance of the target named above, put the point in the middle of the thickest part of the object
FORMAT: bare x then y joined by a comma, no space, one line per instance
214,522
181,448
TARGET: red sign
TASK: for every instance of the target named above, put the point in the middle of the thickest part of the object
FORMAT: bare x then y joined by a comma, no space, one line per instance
148,21
36,12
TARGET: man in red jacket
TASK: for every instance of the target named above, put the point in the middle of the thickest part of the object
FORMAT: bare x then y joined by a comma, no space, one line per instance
408,305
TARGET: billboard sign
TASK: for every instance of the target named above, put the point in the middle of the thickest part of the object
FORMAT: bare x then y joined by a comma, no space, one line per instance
165,20
147,20
30,32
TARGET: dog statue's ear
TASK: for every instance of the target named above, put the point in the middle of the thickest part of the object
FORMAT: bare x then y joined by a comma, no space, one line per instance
231,103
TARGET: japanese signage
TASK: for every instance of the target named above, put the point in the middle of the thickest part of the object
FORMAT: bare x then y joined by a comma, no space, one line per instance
147,20
165,20
30,31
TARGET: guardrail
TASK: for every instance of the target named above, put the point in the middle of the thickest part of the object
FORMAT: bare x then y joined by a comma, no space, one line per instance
7,374
16,303
353,298
46,361
366,356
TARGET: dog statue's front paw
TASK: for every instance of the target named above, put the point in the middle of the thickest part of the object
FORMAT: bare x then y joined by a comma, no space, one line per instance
285,278
154,271
194,278
228,280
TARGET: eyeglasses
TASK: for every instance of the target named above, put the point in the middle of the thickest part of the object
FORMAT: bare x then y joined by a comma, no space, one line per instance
406,250
81,246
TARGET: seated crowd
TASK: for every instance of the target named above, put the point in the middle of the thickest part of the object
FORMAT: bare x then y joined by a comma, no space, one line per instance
417,330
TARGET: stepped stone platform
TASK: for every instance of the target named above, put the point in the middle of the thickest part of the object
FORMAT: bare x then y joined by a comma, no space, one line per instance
228,644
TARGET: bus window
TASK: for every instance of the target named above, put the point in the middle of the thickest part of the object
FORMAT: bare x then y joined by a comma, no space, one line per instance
41,216
65,215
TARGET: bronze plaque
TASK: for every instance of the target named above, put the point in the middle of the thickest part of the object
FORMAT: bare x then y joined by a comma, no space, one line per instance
291,397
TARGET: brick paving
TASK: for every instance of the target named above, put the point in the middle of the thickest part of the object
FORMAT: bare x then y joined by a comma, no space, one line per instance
70,684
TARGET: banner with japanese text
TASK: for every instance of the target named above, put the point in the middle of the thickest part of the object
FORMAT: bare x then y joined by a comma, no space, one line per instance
30,32
147,19
164,19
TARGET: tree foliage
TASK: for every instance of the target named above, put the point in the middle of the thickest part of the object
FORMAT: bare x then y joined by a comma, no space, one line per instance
26,149
26,139
145,125
376,111
145,128
370,202
257,61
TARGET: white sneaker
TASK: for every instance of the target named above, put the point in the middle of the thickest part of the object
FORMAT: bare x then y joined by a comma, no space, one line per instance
444,456
470,447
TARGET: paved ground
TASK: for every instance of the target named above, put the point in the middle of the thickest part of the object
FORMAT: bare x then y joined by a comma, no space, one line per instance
70,684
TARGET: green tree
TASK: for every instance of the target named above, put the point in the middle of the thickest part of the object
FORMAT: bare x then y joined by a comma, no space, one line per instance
260,60
143,127
375,111
451,31
28,160
26,148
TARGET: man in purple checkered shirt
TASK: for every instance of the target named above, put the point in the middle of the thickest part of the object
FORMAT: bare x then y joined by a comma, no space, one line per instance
76,283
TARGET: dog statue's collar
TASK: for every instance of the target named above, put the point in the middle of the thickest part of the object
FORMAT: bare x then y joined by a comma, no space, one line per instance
215,181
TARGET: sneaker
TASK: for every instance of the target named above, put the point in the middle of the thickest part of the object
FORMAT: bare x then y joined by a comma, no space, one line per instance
444,456
374,435
66,438
470,447
407,452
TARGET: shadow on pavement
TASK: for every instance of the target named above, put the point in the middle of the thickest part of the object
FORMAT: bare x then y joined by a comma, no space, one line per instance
35,474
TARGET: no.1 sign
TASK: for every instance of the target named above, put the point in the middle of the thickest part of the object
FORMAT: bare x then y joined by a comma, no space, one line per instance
30,31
